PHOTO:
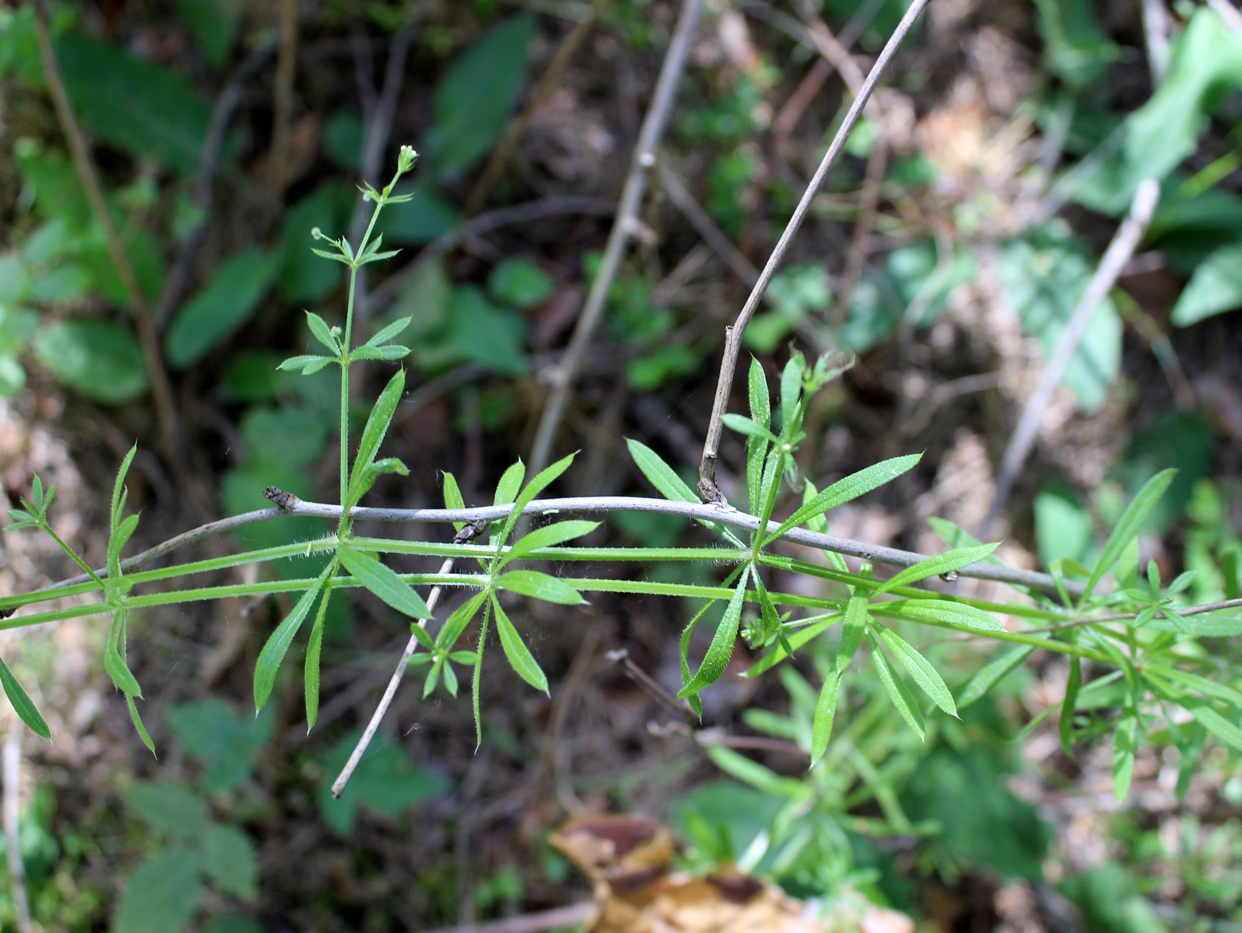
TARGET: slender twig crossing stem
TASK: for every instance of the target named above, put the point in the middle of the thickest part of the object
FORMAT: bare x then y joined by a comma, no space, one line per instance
733,334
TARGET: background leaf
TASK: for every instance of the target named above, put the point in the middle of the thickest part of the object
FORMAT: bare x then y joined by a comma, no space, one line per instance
100,359
221,307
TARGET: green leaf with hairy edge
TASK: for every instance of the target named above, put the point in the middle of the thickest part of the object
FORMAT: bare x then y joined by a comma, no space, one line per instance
896,688
919,668
538,585
843,490
457,621
136,718
389,332
322,332
510,483
940,564
314,648
21,702
117,543
756,457
390,353
278,642
853,627
659,474
221,308
376,427
1125,743
683,648
548,536
453,498
309,365
520,658
1215,723
954,536
760,402
942,610
825,713
993,673
384,582
538,483
1065,727
476,676
791,389
114,664
1128,527
118,489
721,648
747,426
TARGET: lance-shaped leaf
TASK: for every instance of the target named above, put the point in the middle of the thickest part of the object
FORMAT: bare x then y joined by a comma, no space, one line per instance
117,541
520,658
548,536
1228,732
390,353
920,669
852,630
760,402
457,621
1125,743
114,662
671,486
825,714
389,332
323,333
22,704
1069,704
993,673
309,364
843,490
453,498
119,493
278,642
510,483
538,585
721,648
814,627
940,564
791,391
538,484
1199,684
896,688
1128,527
944,611
384,582
373,434
748,427
314,648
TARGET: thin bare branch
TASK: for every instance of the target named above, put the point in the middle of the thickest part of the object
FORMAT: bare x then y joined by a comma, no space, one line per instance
733,334
643,159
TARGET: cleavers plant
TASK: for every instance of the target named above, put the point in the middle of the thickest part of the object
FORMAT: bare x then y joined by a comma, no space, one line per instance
1135,657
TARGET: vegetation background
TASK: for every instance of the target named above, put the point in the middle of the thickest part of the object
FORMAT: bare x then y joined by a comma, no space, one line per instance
948,250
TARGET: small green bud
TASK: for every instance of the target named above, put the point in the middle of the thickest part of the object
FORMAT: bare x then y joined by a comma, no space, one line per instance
405,161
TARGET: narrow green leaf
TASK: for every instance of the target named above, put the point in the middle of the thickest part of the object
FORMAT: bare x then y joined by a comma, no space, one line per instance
476,677
22,704
510,483
114,663
760,402
452,495
721,648
376,427
748,427
337,257
118,490
942,610
323,333
457,621
1129,526
954,536
1229,561
1125,742
389,332
384,582
390,353
662,476
116,543
538,483
314,648
920,669
548,536
896,688
791,389
307,364
752,773
278,642
825,713
795,641
538,585
520,658
940,564
139,725
1215,723
853,628
993,673
1069,704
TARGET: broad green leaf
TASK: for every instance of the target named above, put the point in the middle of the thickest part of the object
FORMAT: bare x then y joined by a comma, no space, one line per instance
162,894
521,283
942,610
940,564
384,582
1063,526
538,585
229,859
1128,527
473,101
373,434
427,216
100,359
549,536
721,649
510,483
302,278
993,673
1228,732
896,688
314,648
221,308
133,103
22,704
213,23
843,490
919,668
223,741
825,712
1214,287
278,642
520,658
170,808
1125,743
